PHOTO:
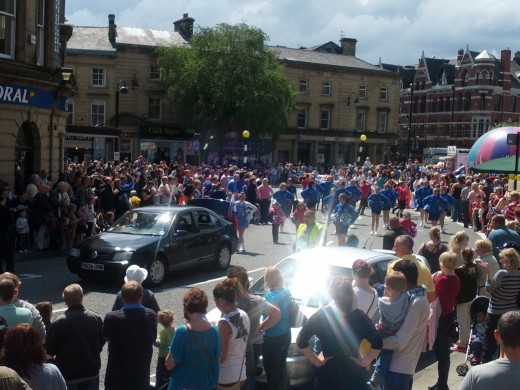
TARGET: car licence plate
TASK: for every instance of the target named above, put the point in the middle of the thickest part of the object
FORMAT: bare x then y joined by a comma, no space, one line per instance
93,266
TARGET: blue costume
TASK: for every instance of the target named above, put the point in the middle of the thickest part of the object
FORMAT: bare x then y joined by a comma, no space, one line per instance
421,194
391,195
434,205
377,202
353,192
310,196
243,211
344,215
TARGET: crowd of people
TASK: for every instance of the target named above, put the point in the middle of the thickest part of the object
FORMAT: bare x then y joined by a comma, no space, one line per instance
418,305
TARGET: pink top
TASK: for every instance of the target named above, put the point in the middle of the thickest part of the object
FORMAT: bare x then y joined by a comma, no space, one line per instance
265,192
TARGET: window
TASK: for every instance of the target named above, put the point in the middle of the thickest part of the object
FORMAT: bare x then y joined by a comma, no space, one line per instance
98,114
155,73
302,118
512,104
7,28
326,89
467,102
383,93
303,87
362,92
325,120
98,77
70,110
203,220
185,223
482,101
40,35
154,108
498,103
382,124
361,121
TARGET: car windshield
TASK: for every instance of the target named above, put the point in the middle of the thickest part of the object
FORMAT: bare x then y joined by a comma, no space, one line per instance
141,222
308,282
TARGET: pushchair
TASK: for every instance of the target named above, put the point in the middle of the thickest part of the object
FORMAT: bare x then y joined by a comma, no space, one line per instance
479,304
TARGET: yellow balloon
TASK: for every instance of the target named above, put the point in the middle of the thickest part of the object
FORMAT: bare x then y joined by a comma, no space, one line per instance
363,137
245,134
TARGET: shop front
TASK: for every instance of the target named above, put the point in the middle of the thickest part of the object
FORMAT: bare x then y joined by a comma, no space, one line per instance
87,143
169,143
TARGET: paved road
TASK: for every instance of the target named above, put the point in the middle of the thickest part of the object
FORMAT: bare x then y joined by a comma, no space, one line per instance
44,278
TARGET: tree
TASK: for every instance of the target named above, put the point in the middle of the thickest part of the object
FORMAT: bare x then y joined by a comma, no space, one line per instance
228,79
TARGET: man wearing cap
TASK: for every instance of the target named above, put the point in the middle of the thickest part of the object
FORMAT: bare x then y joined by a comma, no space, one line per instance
501,235
138,274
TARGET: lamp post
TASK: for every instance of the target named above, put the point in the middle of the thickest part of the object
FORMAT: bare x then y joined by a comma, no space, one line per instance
363,139
245,136
410,123
119,90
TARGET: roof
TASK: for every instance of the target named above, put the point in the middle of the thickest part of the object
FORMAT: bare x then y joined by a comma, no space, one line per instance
319,58
94,40
90,40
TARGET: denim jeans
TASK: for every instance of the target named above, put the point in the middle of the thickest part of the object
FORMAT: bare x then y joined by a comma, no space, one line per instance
456,216
489,342
441,347
90,384
252,358
397,381
274,353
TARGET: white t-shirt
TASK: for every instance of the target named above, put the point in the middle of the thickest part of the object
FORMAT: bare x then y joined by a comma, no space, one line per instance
233,369
366,302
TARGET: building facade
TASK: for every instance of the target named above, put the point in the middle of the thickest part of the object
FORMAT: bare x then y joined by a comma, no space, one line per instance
340,99
34,86
119,111
453,102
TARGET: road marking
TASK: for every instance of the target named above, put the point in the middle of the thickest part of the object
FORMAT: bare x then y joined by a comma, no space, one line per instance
222,278
28,276
329,243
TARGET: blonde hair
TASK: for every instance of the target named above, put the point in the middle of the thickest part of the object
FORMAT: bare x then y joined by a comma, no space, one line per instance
448,260
396,281
273,278
510,258
484,244
435,232
456,239
165,317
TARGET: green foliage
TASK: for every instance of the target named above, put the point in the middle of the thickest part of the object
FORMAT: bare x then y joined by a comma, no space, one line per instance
508,123
227,78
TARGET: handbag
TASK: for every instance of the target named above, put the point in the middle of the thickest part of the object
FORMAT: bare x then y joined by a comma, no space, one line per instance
296,317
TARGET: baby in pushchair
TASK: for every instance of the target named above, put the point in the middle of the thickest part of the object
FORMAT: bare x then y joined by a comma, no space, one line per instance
477,337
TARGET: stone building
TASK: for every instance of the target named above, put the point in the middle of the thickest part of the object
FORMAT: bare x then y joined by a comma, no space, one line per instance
340,98
456,101
34,87
119,111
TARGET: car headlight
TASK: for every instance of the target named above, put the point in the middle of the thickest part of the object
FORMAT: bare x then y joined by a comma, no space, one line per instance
74,252
123,256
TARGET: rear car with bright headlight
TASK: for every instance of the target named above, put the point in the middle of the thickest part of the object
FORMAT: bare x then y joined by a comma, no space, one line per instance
160,239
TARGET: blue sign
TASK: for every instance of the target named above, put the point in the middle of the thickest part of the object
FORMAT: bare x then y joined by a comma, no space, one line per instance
30,97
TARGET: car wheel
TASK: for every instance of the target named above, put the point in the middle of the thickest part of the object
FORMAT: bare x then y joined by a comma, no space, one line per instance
157,271
223,258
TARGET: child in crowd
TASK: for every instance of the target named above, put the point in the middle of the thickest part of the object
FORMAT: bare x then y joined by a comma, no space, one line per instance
330,201
162,375
91,215
73,223
277,217
298,214
477,337
63,226
483,216
22,231
45,309
393,307
409,226
475,221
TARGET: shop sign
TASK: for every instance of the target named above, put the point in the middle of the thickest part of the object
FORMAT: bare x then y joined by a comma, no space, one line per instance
151,132
78,138
30,97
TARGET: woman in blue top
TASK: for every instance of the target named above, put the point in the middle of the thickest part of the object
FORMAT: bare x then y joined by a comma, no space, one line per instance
310,196
376,201
195,350
343,216
278,338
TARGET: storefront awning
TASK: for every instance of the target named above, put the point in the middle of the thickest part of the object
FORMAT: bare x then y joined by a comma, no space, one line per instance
96,131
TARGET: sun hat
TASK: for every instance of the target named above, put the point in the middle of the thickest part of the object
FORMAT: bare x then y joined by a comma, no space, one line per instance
134,272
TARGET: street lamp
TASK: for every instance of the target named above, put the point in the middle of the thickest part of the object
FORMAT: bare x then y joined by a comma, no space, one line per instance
410,123
119,90
363,139
245,136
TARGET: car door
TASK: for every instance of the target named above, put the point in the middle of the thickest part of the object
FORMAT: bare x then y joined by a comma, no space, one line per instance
208,234
184,240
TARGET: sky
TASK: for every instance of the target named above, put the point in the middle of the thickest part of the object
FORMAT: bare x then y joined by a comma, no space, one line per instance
395,31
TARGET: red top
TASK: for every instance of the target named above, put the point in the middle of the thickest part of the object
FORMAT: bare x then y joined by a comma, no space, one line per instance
447,288
365,190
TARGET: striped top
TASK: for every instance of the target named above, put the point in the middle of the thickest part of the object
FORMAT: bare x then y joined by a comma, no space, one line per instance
504,290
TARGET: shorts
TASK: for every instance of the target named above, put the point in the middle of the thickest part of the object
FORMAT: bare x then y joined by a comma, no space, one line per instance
434,216
341,228
311,204
402,204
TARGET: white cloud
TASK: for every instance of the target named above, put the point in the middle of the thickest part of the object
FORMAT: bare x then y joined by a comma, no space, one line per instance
397,31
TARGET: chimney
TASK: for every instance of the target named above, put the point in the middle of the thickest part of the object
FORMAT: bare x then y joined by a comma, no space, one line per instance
184,26
505,71
460,53
112,33
348,46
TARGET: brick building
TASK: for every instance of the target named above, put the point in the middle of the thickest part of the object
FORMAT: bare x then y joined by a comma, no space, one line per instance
34,87
119,111
340,97
456,101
